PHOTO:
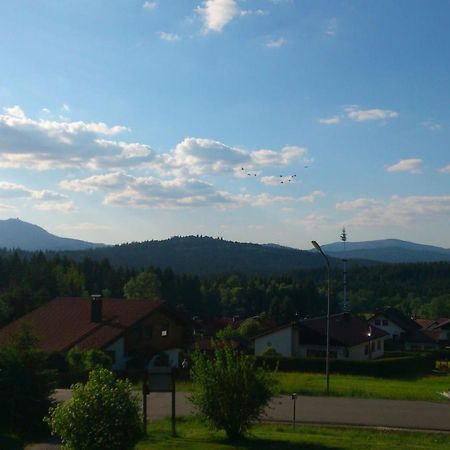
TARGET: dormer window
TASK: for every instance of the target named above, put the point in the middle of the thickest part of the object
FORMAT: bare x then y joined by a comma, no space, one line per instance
165,330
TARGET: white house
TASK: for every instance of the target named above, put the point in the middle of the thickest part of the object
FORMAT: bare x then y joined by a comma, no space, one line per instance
403,332
351,337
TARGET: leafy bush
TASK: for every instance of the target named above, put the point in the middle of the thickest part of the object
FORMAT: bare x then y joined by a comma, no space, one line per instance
102,414
25,385
87,360
230,392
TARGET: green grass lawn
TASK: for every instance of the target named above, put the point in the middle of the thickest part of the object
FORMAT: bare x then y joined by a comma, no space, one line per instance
424,388
192,435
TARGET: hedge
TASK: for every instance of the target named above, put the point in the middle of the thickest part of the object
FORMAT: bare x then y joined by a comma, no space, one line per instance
406,366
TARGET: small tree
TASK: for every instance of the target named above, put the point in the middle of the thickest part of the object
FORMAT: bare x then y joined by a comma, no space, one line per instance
231,391
25,385
103,413
145,285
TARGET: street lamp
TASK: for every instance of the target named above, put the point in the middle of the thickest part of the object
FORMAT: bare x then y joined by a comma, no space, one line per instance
327,357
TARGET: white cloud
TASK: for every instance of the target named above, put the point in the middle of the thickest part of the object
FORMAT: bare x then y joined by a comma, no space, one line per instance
197,156
7,208
149,6
270,180
168,36
45,144
64,207
330,120
109,181
65,107
359,115
313,222
399,211
412,165
445,169
312,197
276,43
331,28
359,203
45,111
13,190
217,13
431,125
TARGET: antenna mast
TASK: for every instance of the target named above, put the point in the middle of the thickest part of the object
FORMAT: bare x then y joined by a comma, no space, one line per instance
344,260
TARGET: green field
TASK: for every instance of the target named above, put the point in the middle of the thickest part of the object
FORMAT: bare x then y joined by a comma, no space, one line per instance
423,388
192,435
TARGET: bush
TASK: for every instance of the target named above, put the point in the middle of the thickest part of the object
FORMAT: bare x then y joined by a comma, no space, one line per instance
25,385
230,392
86,360
406,366
103,413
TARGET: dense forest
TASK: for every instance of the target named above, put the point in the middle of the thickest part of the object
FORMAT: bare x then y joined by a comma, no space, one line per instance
28,280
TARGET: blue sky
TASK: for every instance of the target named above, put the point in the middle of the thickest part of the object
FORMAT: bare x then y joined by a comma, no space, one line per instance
132,120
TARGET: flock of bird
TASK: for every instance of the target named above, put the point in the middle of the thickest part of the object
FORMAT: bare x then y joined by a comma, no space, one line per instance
284,179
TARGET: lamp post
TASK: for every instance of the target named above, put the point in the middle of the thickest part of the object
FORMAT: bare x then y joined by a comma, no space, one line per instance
369,335
327,356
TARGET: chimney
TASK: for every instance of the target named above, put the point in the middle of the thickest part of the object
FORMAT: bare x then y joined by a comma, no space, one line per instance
96,308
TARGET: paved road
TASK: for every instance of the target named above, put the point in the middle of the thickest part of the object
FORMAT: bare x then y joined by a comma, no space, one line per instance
426,416
326,410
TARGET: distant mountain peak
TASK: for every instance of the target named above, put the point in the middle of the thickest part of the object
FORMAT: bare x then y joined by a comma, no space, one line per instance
18,234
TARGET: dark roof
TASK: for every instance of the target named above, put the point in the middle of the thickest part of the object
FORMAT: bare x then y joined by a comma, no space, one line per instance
64,323
345,329
396,316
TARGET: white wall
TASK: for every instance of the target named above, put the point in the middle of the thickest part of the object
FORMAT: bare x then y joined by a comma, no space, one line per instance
119,350
391,328
280,341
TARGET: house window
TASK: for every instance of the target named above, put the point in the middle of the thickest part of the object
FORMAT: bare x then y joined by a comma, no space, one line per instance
378,345
165,330
385,323
377,322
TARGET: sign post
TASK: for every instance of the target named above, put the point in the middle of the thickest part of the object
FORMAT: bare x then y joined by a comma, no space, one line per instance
161,379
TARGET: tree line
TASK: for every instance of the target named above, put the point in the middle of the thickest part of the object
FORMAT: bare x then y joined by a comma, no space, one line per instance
27,281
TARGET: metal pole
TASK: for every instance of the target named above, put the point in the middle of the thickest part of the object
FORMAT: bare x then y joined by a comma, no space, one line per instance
327,369
327,358
174,433
144,402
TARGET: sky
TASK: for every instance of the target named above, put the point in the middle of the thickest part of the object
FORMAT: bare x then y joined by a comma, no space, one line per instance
276,121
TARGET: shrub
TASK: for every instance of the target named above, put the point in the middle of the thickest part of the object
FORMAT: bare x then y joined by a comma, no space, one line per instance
230,392
25,385
102,414
86,360
405,366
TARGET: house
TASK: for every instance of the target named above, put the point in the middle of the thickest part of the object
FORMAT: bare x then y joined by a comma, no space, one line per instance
404,333
438,330
122,328
351,337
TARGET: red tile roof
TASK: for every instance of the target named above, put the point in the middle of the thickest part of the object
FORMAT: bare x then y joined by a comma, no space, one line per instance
64,323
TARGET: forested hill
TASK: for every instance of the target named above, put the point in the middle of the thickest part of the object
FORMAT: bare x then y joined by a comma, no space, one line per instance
206,256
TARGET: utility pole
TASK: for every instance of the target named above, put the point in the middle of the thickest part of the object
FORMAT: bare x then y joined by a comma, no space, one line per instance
344,260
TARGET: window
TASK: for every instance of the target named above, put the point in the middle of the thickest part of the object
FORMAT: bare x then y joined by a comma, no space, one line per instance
165,330
377,322
385,323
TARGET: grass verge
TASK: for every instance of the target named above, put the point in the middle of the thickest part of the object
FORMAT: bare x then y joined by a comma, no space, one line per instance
193,435
424,388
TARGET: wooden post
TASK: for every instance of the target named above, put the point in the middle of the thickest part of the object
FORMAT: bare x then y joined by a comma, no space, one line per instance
144,402
174,433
